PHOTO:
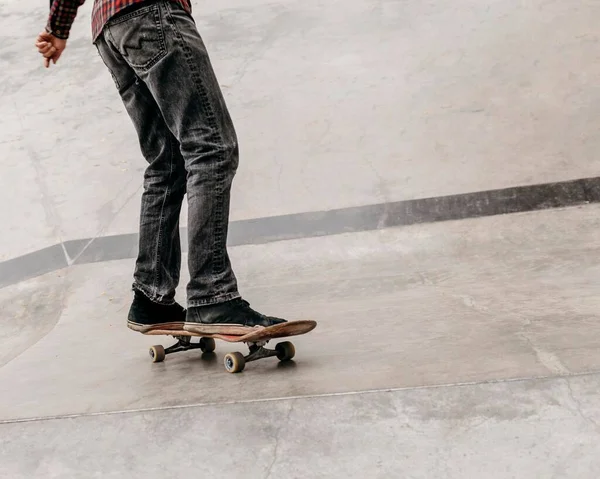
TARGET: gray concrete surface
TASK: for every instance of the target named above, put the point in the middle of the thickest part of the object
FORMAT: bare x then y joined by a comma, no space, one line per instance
336,103
475,300
464,349
415,323
524,429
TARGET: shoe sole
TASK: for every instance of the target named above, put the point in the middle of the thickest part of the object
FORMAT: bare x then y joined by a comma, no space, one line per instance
196,328
145,328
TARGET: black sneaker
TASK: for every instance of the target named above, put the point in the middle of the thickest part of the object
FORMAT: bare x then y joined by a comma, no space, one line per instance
146,315
234,317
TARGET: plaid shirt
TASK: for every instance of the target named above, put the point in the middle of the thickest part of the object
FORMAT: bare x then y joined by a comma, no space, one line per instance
63,13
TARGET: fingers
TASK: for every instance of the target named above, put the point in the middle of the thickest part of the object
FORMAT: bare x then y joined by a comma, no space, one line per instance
44,37
50,53
46,49
49,47
43,47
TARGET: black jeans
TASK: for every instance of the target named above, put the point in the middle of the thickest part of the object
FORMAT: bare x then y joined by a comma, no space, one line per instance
164,76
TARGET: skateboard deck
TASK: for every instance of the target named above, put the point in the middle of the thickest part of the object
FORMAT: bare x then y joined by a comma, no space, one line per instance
256,339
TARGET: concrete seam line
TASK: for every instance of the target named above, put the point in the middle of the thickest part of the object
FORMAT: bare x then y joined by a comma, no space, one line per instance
560,377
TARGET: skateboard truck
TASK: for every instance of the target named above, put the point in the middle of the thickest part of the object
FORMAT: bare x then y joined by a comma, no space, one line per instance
234,362
184,343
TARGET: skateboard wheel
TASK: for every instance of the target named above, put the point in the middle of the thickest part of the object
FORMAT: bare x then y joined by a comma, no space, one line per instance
285,351
235,362
207,345
157,353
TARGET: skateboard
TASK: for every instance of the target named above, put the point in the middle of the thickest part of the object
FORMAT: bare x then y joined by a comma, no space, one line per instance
236,362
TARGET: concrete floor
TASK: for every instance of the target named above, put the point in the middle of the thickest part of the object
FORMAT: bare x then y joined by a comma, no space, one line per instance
534,428
461,349
428,362
337,104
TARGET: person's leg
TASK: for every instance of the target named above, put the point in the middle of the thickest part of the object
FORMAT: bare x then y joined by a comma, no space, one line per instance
162,45
158,263
175,68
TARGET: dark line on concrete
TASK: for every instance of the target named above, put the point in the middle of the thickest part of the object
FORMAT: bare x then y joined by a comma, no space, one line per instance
31,265
324,223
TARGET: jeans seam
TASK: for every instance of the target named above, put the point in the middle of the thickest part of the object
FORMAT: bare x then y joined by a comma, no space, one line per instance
118,85
158,255
128,16
213,300
217,256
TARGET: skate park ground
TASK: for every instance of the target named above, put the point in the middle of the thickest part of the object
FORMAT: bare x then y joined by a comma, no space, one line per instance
421,178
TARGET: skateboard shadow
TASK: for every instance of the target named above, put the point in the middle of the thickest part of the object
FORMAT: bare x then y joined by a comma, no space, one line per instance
208,358
286,365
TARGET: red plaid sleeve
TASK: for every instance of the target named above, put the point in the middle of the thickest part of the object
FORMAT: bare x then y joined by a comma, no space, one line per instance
62,15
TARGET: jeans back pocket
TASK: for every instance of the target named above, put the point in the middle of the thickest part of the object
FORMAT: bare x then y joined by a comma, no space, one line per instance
139,36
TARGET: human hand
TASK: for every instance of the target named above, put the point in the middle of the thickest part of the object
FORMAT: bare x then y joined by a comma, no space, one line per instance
50,47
